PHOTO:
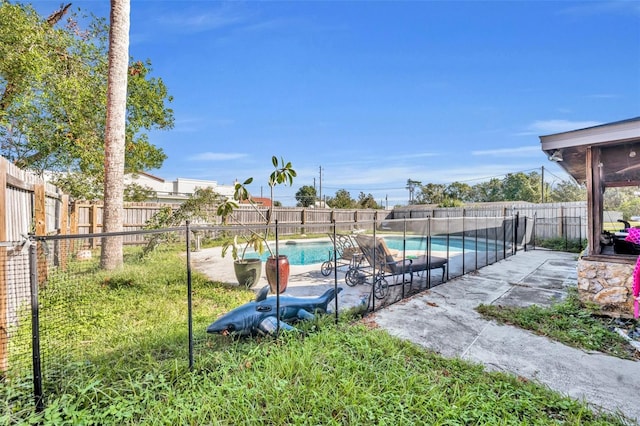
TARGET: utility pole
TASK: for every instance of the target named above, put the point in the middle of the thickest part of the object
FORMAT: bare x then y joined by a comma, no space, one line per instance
316,199
411,186
321,185
542,187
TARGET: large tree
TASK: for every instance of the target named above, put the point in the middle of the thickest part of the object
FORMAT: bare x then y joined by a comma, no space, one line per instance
630,208
624,199
486,192
522,187
306,196
342,200
53,78
114,140
367,201
458,191
513,187
431,193
567,191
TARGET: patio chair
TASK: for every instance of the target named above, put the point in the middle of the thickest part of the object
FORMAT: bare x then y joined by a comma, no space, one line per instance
620,243
378,254
347,254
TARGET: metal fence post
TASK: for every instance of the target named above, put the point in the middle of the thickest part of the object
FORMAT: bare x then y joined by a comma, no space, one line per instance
495,244
428,252
525,234
463,244
580,232
514,247
373,276
189,296
475,240
448,248
35,327
277,281
565,232
486,243
504,236
534,230
404,253
335,269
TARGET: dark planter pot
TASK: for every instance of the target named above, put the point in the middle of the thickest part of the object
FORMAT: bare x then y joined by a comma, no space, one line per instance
247,271
283,267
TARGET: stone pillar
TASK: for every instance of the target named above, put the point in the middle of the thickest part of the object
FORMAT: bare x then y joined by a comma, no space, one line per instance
607,284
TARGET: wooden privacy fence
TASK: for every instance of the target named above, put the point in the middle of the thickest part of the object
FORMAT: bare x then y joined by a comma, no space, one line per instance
28,205
86,218
552,220
566,220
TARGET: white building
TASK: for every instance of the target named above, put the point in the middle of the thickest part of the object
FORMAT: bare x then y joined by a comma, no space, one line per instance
178,190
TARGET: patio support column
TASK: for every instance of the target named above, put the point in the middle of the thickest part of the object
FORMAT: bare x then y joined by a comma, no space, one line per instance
594,198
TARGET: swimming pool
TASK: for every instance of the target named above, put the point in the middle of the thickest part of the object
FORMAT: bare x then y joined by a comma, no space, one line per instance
311,252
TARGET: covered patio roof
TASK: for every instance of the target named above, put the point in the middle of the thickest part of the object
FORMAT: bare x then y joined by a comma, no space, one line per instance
619,152
601,156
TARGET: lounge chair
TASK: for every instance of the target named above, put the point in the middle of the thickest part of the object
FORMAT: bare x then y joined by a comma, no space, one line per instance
385,264
347,254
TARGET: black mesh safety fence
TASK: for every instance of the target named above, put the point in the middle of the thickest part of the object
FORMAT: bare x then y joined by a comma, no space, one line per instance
15,352
70,314
86,304
399,258
559,233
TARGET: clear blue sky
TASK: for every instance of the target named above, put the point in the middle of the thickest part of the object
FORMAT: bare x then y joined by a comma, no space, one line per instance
379,92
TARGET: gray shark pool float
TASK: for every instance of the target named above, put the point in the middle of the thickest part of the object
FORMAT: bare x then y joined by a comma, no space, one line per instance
259,315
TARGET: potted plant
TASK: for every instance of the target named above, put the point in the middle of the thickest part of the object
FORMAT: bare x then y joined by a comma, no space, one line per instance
247,270
283,174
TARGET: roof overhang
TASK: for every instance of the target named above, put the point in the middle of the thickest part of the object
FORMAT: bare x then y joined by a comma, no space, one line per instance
619,143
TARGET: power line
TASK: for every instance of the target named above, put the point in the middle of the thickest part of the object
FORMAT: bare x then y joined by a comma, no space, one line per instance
557,177
495,177
346,188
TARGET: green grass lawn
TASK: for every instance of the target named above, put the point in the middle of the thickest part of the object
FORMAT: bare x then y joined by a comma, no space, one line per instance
617,226
569,322
115,349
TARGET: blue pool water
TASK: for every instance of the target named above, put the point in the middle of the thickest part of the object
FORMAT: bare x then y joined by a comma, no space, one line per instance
310,252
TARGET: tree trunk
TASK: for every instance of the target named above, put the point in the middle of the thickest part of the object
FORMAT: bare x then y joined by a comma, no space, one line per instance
114,144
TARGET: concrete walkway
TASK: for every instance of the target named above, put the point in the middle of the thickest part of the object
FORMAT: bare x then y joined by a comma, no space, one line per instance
443,319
